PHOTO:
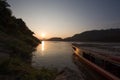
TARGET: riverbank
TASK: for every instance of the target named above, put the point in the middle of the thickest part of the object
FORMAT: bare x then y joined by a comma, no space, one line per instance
15,62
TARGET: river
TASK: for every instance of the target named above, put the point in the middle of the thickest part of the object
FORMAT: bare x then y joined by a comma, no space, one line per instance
56,54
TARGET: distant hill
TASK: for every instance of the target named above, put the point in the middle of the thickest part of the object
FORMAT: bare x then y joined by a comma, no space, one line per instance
55,39
108,35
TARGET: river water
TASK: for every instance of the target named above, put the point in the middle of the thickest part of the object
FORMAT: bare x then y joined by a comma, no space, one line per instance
55,54
58,54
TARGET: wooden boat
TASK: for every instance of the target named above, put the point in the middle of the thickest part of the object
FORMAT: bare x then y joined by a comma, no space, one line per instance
106,65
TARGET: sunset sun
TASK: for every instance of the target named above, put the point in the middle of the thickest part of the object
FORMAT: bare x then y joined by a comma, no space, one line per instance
43,35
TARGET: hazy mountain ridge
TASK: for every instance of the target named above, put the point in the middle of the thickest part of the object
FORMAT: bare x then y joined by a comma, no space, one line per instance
55,39
107,35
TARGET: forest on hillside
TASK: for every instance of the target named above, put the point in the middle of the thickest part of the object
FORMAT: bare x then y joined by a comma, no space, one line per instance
16,46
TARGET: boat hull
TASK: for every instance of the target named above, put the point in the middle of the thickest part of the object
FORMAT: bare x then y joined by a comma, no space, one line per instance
90,62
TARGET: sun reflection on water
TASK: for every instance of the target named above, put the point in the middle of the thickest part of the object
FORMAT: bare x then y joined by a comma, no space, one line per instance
53,54
43,46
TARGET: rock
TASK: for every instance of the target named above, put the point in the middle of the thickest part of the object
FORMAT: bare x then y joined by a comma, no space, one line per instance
69,74
3,56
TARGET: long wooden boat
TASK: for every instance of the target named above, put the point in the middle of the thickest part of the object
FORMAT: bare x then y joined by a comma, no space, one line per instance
106,65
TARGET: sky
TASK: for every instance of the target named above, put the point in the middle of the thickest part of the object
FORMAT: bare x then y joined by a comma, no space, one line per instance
64,18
